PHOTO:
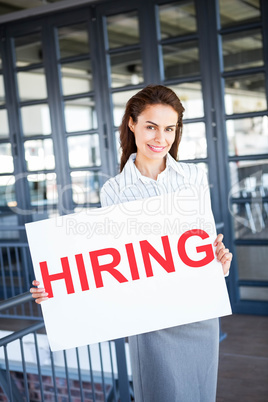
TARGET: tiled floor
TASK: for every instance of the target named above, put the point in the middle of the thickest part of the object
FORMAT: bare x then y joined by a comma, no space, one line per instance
243,368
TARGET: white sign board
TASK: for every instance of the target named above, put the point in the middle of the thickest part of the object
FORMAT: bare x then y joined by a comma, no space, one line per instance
127,269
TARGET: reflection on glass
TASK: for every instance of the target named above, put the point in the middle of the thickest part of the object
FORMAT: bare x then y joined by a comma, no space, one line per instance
242,50
7,191
0,62
239,11
248,136
247,176
6,159
2,90
181,59
43,193
190,94
35,120
250,219
84,150
245,94
28,50
249,180
86,187
80,115
119,103
126,68
123,29
193,143
39,154
73,40
76,77
32,84
253,293
4,130
177,19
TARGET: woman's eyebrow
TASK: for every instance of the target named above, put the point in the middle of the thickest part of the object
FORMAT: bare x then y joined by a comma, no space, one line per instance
151,122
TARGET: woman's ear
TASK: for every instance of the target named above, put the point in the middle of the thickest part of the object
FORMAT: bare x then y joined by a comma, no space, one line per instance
131,124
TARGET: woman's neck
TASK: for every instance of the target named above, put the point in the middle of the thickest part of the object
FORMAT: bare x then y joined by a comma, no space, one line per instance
152,168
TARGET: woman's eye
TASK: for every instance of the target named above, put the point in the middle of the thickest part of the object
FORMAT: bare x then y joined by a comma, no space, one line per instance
169,129
151,127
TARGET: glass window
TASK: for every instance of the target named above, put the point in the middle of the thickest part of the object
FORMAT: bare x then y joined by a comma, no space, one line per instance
0,62
73,40
35,120
193,143
28,50
4,130
242,50
84,150
7,191
123,29
80,115
117,144
233,12
251,217
39,154
181,59
119,104
2,90
248,136
6,159
43,193
126,68
9,219
190,94
76,77
86,187
249,180
245,174
245,94
253,293
177,19
32,84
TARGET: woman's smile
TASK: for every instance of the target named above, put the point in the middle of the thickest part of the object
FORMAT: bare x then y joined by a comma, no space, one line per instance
156,148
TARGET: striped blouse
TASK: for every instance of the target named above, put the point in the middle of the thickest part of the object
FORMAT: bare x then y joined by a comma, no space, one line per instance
131,185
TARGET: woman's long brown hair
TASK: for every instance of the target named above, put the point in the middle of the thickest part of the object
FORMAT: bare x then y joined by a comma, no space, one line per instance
150,95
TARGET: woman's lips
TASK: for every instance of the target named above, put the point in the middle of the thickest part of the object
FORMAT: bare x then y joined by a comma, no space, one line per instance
156,149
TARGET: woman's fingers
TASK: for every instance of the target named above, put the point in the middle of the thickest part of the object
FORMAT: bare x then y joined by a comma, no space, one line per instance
39,294
223,254
218,239
40,299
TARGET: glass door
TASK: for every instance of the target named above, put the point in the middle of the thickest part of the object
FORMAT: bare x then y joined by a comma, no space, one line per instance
64,82
242,37
218,71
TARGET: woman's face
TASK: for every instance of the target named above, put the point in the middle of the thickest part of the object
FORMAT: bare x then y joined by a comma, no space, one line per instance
154,131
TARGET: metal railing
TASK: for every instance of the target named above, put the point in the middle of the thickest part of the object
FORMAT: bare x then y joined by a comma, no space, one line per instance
16,275
30,371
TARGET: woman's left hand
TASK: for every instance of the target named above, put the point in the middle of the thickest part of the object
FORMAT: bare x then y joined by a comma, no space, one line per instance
223,255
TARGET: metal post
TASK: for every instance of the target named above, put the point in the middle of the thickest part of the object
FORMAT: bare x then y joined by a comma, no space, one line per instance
122,370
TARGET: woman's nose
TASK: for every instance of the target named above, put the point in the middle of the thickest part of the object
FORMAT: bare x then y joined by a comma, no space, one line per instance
160,136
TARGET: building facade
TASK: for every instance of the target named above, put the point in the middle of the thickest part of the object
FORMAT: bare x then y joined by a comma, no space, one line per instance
65,77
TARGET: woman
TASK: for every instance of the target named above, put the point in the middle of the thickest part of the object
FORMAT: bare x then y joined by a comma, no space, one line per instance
177,364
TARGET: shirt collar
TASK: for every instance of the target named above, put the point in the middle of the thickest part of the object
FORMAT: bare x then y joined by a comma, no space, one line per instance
130,174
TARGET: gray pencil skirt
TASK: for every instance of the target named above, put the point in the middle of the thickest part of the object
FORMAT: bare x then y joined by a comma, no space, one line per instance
178,364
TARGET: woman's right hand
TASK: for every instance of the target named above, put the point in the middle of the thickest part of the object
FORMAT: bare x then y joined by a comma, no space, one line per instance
39,294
